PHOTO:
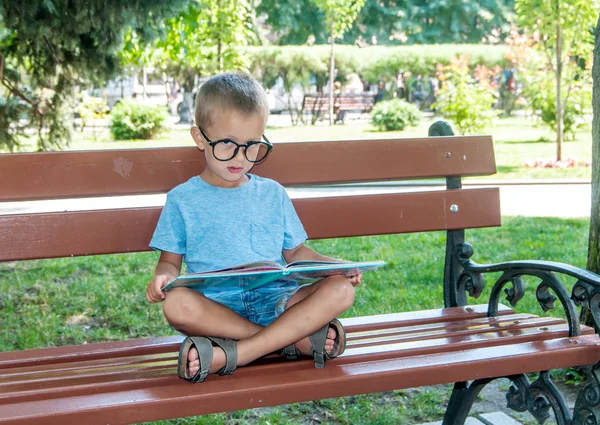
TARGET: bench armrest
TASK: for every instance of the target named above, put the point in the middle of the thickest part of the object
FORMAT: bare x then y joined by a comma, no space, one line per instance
585,292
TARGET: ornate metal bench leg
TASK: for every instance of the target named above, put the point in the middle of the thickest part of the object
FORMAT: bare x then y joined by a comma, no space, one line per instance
462,399
587,406
538,397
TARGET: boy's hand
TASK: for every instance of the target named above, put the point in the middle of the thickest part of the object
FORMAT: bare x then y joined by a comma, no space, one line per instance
154,291
356,279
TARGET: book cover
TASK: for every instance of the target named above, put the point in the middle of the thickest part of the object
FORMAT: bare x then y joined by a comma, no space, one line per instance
252,275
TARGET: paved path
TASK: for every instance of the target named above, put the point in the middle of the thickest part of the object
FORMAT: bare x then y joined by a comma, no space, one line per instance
494,418
524,199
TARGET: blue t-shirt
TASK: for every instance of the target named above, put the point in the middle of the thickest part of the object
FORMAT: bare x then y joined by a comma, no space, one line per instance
216,228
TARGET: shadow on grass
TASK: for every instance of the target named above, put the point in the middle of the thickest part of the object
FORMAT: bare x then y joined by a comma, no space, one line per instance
540,140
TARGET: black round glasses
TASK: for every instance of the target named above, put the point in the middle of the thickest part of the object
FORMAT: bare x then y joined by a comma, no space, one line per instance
226,149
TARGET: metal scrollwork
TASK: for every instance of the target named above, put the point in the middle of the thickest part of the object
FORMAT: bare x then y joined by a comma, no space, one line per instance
545,297
516,397
543,395
513,295
588,296
587,406
548,291
468,281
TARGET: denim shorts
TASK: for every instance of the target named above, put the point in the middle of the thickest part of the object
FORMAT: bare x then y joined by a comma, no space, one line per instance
261,305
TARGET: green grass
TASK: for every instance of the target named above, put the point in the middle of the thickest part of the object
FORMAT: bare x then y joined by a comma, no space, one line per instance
101,298
516,139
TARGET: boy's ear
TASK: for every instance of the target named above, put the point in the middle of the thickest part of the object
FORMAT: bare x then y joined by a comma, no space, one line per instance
197,136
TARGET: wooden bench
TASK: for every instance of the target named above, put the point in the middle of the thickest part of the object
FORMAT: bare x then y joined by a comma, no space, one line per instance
342,103
468,345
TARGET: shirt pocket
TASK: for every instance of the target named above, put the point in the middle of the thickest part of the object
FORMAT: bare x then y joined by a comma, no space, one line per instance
267,241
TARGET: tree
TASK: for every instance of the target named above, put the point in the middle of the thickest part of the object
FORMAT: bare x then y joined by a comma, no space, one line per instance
50,46
563,29
205,38
393,21
456,21
593,261
339,15
293,21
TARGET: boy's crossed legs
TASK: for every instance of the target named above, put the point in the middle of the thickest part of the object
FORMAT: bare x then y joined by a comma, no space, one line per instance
309,309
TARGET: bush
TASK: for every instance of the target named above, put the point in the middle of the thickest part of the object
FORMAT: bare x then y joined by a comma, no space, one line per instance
462,99
134,120
540,91
395,114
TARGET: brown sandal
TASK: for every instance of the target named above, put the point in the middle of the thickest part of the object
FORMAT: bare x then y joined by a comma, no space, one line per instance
204,345
318,339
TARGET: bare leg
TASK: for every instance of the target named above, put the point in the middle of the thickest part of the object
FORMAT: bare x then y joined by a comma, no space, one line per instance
308,310
191,313
304,345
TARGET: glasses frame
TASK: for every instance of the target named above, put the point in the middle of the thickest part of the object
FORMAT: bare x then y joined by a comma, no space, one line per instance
237,147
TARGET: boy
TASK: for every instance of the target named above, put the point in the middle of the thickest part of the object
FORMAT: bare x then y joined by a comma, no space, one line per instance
225,217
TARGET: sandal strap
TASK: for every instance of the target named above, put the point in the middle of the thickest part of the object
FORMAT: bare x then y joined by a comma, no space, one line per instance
205,354
230,349
318,339
317,350
290,352
339,345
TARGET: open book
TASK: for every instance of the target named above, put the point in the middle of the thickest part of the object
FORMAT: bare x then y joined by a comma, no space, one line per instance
252,275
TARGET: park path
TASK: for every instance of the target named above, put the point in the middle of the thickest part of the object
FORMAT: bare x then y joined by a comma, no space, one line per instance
529,199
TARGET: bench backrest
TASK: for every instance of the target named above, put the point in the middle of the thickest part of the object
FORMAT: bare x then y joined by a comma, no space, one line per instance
112,173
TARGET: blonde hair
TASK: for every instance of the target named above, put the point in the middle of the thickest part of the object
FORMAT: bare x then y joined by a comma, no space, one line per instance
230,90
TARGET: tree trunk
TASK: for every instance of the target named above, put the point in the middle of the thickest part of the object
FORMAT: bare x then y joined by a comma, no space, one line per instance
558,74
331,74
593,260
219,55
144,82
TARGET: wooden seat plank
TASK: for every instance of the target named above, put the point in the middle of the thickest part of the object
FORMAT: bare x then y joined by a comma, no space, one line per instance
414,344
247,389
149,346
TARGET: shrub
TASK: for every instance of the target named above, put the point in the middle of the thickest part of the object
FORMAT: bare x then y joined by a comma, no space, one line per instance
462,99
395,114
540,91
134,120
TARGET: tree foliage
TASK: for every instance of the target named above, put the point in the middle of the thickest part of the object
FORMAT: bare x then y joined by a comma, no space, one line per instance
563,33
394,21
205,38
462,99
47,47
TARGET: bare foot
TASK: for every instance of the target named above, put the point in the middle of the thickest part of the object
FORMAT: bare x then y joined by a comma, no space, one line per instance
217,363
304,345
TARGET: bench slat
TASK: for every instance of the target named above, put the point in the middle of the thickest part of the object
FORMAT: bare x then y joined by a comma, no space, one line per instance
337,380
88,379
146,388
149,346
67,234
51,175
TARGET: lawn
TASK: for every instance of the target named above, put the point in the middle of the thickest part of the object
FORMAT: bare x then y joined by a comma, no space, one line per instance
517,140
101,298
